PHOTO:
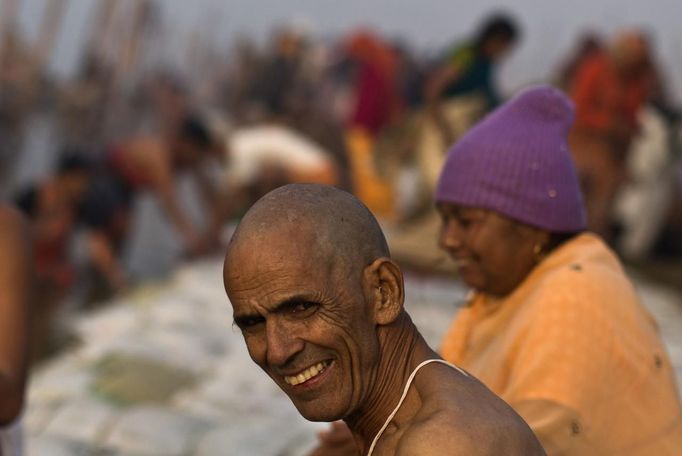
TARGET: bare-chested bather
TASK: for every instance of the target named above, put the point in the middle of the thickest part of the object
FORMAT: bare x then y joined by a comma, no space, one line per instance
320,305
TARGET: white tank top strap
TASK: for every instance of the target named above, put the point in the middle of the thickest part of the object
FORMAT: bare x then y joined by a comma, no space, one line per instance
402,398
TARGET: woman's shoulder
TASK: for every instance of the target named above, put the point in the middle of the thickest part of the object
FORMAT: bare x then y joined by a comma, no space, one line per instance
584,260
592,282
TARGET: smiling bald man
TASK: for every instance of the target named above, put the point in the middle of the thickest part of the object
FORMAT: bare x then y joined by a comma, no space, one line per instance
320,305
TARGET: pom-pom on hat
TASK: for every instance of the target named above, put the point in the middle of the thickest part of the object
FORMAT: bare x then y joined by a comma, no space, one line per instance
516,162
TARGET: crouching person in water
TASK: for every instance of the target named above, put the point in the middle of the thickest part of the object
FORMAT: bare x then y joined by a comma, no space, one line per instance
320,305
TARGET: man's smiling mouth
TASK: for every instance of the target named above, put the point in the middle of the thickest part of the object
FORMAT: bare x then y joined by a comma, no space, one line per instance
307,374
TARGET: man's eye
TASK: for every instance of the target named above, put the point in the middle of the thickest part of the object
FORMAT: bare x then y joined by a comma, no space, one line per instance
250,323
302,308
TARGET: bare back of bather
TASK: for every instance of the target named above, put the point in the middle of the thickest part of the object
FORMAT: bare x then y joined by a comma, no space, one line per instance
455,415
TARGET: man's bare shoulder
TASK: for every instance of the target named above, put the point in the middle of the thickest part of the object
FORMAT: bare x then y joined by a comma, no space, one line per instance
460,415
447,432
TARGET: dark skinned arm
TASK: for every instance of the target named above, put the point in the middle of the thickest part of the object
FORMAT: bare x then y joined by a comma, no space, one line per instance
103,258
164,188
15,278
435,87
336,441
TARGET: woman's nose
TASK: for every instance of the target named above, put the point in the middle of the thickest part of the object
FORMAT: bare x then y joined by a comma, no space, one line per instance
450,235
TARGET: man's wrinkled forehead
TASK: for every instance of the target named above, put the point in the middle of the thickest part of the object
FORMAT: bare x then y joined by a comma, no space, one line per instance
283,249
322,228
279,237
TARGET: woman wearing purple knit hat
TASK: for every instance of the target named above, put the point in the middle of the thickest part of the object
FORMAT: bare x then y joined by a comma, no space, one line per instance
553,325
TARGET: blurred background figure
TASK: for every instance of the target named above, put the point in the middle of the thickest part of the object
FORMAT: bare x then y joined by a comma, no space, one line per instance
275,83
610,89
20,84
469,68
463,87
267,156
644,205
52,207
587,46
15,299
376,103
148,163
82,105
375,90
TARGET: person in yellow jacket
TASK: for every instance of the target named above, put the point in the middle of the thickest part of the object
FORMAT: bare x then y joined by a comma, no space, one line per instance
553,325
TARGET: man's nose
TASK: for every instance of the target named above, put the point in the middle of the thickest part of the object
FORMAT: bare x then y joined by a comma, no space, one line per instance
282,342
450,235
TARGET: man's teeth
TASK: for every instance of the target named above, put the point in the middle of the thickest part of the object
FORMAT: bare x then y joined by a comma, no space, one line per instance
312,371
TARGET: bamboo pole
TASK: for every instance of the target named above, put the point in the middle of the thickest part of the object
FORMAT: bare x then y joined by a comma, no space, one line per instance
53,18
9,13
142,16
102,26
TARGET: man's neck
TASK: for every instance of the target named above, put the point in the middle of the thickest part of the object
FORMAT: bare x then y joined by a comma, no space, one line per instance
402,349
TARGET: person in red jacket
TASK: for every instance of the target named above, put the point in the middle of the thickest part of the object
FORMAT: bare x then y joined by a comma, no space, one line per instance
609,90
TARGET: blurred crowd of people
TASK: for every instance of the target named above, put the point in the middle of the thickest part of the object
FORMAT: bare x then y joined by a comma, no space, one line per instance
363,112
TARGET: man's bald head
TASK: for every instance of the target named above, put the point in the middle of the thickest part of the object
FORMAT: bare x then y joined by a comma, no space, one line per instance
315,295
333,223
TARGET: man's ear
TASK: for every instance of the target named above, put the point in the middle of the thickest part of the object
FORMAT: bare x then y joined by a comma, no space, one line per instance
387,292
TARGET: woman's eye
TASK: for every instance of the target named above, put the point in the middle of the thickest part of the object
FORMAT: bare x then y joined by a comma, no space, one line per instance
465,222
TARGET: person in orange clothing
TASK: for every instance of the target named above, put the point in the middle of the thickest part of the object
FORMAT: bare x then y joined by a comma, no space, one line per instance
553,325
609,90
377,100
376,104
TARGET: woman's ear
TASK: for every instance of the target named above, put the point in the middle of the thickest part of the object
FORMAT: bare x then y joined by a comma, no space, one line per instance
542,239
387,291
538,238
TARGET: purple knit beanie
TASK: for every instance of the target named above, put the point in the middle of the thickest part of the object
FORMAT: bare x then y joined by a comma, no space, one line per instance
516,162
